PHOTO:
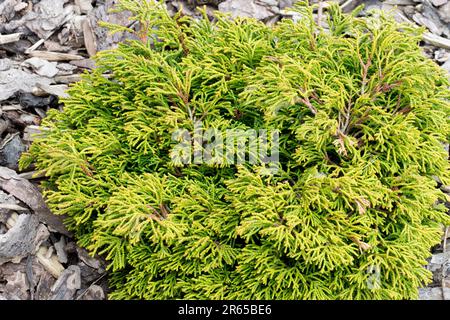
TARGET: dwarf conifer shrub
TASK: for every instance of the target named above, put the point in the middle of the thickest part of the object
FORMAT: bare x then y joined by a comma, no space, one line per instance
351,212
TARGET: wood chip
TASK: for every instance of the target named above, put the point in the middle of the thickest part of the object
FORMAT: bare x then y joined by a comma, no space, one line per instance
55,56
349,5
436,40
86,63
34,46
67,284
32,174
29,194
9,38
89,38
58,90
428,37
29,134
49,261
11,206
20,6
12,107
68,79
22,239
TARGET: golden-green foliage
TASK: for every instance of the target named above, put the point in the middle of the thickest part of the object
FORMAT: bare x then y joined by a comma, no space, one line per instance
362,115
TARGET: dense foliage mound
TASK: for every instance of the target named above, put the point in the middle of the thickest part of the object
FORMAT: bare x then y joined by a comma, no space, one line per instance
353,209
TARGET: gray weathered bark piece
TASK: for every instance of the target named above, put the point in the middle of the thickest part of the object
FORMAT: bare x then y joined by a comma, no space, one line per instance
67,284
14,80
29,194
22,239
434,294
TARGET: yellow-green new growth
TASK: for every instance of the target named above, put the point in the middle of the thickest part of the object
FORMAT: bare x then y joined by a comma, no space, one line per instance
362,116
